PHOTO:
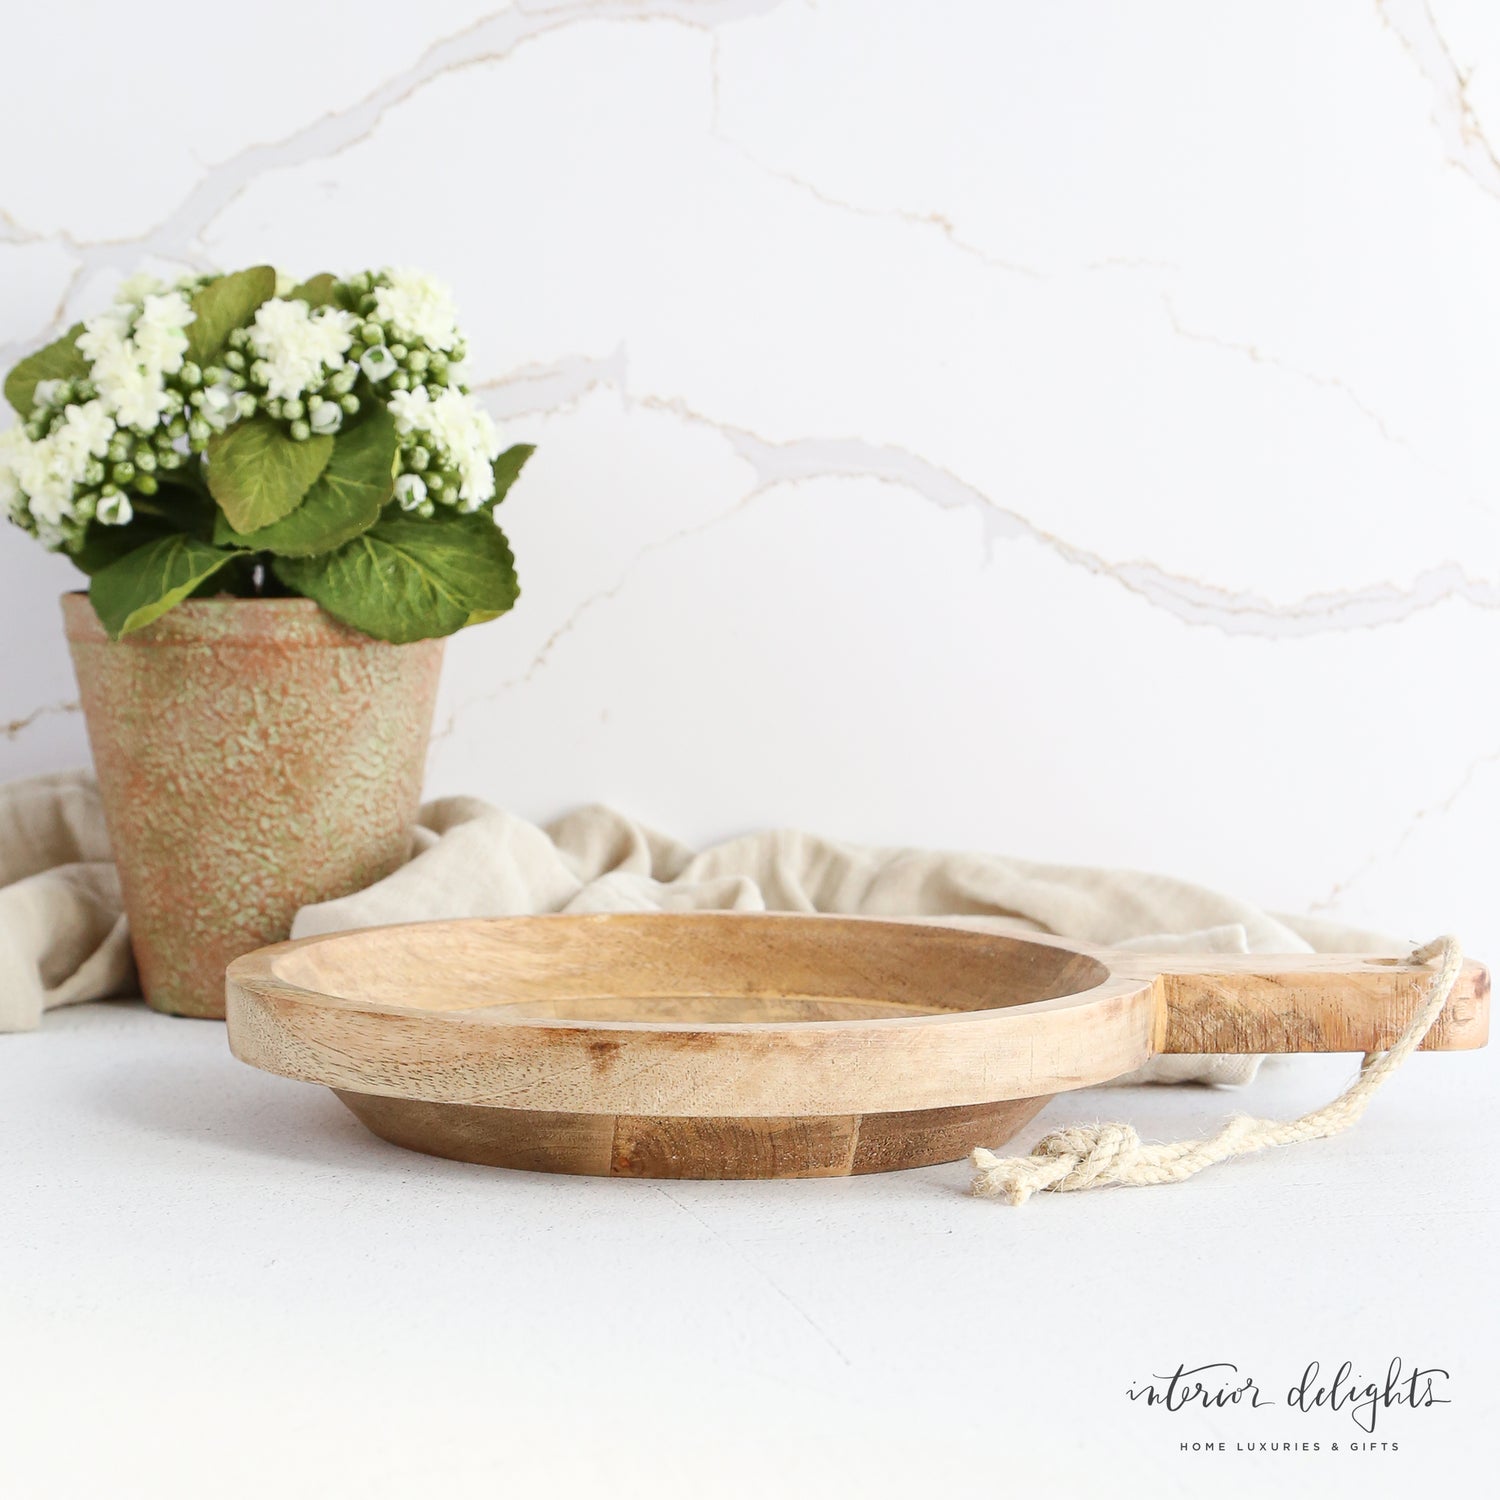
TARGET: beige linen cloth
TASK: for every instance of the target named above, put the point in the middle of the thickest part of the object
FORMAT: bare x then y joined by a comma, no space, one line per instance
63,936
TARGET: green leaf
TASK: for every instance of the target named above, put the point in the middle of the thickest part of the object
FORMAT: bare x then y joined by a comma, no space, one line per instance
144,584
408,579
175,507
258,474
317,291
224,305
60,360
346,498
103,545
508,469
179,505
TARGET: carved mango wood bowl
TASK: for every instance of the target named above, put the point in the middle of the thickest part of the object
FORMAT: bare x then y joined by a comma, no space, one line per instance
726,1045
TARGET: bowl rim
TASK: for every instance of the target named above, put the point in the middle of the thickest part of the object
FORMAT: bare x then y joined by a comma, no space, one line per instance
694,1068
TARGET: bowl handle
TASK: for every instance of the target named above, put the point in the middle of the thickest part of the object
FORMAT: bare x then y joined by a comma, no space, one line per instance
1312,1002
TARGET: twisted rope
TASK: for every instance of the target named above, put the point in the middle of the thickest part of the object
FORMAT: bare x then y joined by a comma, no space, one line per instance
1089,1156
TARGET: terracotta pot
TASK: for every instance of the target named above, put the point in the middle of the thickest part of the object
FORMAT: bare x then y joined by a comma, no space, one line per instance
254,756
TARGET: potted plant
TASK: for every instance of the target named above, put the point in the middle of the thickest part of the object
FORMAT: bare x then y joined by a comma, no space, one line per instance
283,494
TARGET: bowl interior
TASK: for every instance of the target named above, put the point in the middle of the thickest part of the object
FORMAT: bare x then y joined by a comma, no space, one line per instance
707,968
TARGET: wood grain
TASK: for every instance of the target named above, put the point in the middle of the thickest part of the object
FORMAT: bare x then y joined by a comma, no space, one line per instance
760,1045
641,1146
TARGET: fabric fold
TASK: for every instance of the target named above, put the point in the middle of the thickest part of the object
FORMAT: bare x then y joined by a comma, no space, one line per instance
63,936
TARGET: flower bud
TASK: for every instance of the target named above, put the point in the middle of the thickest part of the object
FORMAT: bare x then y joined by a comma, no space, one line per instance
218,401
350,405
147,484
235,360
260,372
145,460
325,417
377,363
93,472
300,431
418,459
399,352
372,333
213,374
343,382
199,431
416,361
114,510
190,375
119,450
410,492
292,409
122,474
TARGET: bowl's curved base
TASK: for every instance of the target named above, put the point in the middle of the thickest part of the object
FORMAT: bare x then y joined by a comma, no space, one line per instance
637,1146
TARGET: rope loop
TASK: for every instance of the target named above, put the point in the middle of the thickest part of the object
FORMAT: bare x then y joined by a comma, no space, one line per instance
1080,1157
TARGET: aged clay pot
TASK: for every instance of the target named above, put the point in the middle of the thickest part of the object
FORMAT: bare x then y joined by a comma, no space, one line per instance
254,755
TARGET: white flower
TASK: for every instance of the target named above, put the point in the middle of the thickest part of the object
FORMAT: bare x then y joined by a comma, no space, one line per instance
469,434
114,510
12,496
462,428
50,492
159,351
378,363
134,394
138,287
165,312
220,405
325,416
418,307
410,491
130,358
297,344
105,333
40,478
84,433
412,410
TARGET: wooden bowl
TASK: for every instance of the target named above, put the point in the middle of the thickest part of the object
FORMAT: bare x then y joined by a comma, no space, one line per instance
727,1045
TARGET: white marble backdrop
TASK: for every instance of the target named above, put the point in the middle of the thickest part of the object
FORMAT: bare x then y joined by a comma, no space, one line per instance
1067,429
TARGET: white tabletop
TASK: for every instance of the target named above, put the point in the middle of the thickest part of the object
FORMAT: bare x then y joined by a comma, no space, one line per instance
214,1282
